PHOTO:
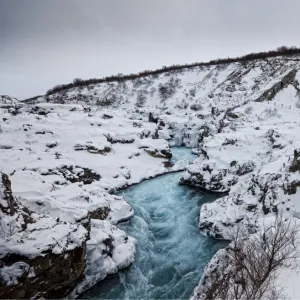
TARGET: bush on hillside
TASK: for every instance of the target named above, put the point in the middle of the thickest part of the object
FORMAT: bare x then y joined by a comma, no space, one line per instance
141,99
248,110
280,51
247,268
196,106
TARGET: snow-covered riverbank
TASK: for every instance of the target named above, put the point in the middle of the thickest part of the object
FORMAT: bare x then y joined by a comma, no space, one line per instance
62,162
165,225
63,157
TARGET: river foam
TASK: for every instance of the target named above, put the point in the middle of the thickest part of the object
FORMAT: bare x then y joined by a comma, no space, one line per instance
171,253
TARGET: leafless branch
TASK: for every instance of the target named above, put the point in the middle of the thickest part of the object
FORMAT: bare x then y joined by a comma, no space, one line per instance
248,268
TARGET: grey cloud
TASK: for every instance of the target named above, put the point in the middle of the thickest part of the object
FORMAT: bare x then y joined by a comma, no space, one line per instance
43,43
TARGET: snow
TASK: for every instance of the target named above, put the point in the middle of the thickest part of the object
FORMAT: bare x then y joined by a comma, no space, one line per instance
289,280
245,146
100,260
270,146
35,171
46,233
11,274
63,185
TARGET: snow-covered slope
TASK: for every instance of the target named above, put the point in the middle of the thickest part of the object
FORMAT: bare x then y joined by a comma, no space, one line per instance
221,86
255,159
192,101
65,152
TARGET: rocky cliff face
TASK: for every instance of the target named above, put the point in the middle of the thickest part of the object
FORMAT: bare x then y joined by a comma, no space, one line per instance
40,256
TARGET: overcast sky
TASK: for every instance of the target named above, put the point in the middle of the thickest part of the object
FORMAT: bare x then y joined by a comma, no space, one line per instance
44,43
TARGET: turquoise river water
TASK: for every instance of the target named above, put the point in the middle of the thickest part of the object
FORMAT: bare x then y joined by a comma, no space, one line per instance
171,252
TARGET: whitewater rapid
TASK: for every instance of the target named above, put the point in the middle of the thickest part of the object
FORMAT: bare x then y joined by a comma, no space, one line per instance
171,252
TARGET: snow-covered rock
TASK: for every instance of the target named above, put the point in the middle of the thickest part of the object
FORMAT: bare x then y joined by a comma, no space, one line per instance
66,151
35,248
63,161
108,250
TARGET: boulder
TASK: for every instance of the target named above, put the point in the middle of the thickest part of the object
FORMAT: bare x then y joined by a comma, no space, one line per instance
209,177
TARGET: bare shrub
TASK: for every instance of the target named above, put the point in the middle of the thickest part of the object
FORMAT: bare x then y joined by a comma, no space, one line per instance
104,102
192,92
137,83
248,110
196,106
168,89
298,103
247,268
271,112
141,99
165,91
78,81
155,73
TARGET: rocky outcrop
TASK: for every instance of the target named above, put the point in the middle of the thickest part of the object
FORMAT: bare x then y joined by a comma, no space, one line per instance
10,207
208,176
295,165
72,174
278,86
38,111
39,256
152,118
126,139
89,147
100,213
259,196
243,168
108,250
9,102
159,153
49,276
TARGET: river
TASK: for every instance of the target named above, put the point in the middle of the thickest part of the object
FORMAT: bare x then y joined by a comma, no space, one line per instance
171,252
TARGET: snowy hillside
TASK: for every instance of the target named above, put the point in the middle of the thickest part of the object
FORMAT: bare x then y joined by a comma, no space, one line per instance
221,86
66,153
191,101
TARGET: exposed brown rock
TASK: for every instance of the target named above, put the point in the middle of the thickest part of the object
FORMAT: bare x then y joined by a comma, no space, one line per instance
50,276
100,213
159,154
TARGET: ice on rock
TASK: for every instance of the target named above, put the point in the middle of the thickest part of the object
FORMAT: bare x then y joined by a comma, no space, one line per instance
108,250
11,274
178,139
